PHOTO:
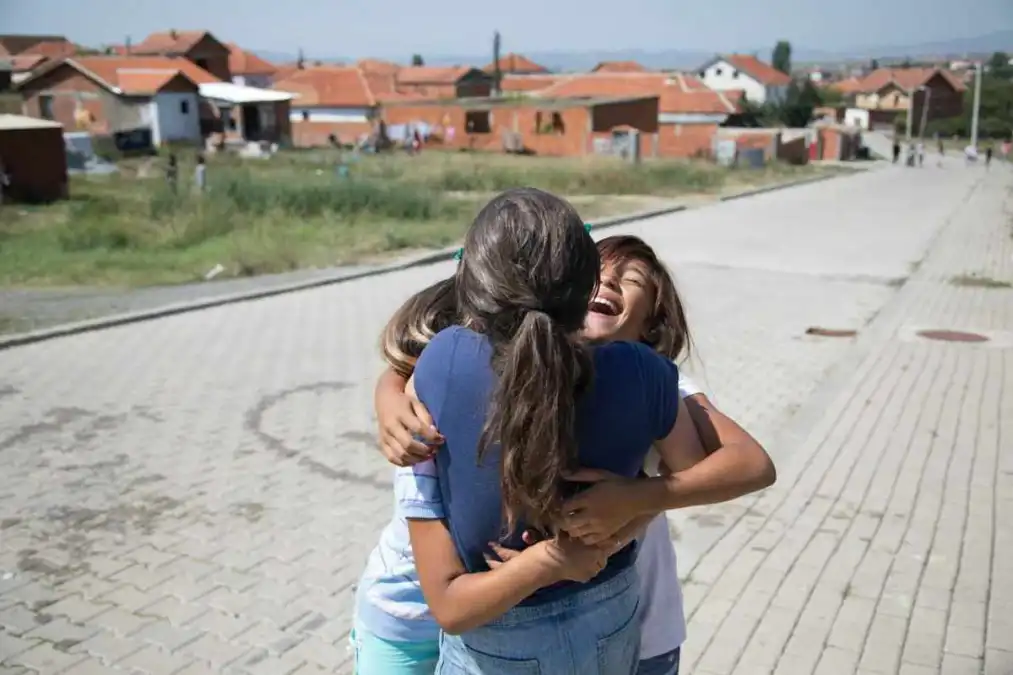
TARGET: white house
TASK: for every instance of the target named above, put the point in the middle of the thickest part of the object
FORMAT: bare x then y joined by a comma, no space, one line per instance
759,81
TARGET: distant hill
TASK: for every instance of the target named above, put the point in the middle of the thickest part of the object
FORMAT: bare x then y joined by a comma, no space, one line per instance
981,45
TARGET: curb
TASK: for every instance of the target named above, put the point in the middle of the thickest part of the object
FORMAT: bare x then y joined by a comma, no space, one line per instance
114,320
780,186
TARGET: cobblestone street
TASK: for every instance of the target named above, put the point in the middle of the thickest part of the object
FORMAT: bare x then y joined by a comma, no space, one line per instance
197,494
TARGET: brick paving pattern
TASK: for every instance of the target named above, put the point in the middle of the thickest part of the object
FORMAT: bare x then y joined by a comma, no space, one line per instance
197,494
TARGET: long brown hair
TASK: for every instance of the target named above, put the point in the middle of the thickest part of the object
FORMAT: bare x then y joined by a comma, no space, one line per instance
415,323
528,272
667,330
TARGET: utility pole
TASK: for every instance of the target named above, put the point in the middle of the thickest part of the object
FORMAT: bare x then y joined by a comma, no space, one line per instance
925,111
977,105
910,113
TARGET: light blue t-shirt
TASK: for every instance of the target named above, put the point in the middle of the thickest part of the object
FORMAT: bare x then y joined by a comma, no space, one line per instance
389,601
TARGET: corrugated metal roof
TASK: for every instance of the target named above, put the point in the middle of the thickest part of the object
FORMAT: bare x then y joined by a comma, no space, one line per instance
22,122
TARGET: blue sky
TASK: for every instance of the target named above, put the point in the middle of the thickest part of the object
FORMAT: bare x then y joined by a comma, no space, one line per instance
398,28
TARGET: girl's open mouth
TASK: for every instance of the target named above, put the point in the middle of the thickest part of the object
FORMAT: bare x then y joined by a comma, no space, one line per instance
604,306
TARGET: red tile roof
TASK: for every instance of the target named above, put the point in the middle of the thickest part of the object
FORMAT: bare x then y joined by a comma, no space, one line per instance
147,82
132,76
528,83
170,42
687,94
764,73
619,67
329,87
597,85
846,86
242,62
431,74
516,64
107,67
19,44
677,93
904,78
370,66
52,49
23,63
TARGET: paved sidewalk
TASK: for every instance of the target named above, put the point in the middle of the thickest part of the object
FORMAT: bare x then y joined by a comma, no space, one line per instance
884,547
197,494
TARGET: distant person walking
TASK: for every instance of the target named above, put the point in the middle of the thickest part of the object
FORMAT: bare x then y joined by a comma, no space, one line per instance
200,174
920,149
896,150
988,155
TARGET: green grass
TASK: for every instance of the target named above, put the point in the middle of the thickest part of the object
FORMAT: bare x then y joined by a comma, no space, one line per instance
294,212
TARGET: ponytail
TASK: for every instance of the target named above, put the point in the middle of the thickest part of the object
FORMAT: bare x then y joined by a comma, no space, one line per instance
542,370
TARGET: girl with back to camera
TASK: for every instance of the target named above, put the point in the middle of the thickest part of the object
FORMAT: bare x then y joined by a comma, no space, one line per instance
522,403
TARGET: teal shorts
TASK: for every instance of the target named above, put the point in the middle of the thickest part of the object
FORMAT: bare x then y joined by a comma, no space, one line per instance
376,656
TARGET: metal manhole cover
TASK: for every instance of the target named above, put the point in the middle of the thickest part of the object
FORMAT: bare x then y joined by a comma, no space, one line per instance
830,332
951,336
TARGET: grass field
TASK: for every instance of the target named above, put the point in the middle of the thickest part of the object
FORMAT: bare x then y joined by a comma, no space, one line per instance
294,211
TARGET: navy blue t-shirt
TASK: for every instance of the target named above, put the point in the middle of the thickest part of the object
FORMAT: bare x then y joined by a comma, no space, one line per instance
632,403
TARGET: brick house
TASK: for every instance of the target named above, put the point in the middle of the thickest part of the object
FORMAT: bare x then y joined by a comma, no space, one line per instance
443,82
199,46
556,127
515,64
248,69
689,113
528,84
109,94
331,100
888,92
758,81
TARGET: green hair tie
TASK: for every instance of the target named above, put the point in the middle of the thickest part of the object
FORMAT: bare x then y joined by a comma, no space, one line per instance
459,253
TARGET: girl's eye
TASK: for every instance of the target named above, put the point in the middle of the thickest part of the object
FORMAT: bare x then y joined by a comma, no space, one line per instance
636,281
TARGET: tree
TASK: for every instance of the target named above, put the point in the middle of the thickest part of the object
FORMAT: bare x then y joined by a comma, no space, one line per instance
874,64
830,95
300,61
417,60
998,66
781,58
799,103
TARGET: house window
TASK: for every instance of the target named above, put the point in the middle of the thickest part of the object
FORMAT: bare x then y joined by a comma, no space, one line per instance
184,107
46,107
477,122
203,63
735,74
305,115
703,73
717,72
551,125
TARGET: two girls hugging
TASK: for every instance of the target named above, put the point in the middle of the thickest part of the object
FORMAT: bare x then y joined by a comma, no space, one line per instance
541,429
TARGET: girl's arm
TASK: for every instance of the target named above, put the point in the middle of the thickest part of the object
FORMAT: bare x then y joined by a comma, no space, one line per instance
735,464
461,601
402,420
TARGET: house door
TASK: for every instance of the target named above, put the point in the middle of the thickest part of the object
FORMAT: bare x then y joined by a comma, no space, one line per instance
251,123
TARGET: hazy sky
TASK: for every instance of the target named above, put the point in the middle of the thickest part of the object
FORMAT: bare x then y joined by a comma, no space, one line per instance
397,28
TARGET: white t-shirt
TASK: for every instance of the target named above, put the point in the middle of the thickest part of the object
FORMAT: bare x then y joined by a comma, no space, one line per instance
663,620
